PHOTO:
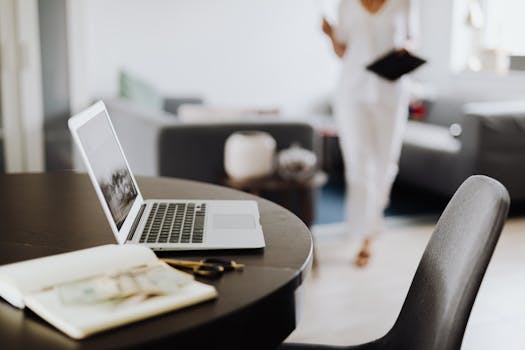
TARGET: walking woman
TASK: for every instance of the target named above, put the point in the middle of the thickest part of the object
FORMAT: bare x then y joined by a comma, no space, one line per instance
370,112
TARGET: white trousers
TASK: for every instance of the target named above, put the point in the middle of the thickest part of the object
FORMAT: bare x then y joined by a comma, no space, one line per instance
370,136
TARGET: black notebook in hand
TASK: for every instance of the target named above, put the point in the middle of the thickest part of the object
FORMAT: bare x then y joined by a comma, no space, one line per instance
395,64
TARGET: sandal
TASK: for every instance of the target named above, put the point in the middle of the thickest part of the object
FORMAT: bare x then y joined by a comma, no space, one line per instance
362,258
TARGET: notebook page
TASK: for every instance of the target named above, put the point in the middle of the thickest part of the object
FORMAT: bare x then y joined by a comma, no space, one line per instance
20,279
80,321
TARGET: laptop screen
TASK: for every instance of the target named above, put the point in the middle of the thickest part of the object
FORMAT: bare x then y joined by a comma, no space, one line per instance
109,166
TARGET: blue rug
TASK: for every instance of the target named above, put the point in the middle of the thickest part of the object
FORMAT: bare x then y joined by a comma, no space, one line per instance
405,200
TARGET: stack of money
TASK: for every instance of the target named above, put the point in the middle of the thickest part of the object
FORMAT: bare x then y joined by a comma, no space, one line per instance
138,283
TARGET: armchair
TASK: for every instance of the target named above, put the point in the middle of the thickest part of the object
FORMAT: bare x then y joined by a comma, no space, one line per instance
492,142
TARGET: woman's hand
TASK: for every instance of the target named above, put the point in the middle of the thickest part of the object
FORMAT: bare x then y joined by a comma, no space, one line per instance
339,48
327,28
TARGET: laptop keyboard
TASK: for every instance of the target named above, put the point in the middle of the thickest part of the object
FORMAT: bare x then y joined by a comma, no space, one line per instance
175,223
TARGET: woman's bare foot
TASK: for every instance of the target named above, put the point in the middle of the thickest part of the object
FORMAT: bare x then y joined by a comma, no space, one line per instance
363,256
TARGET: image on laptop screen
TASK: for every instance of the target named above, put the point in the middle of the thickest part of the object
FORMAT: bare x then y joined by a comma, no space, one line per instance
108,165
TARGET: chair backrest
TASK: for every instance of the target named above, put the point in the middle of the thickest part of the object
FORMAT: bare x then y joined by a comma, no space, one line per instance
437,307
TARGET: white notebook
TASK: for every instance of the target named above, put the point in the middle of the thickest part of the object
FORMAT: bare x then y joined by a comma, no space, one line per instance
48,287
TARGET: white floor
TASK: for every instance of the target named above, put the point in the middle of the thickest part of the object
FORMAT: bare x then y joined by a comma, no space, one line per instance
346,305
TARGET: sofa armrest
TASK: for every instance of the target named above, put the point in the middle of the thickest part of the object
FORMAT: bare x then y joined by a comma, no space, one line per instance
493,129
493,143
429,158
172,104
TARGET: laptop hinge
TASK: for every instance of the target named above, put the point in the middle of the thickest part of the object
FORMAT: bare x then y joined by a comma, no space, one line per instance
136,223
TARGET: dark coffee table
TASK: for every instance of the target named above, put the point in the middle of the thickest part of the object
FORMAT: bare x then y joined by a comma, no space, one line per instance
285,190
43,214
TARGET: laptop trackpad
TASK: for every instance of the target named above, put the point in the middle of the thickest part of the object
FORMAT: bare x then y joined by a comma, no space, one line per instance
233,222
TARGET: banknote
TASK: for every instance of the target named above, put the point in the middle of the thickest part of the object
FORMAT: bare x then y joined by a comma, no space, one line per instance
144,281
89,291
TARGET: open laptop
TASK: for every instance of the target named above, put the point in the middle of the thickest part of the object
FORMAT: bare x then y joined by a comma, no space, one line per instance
174,224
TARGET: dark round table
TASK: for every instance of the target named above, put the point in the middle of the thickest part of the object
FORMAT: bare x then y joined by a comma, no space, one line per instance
44,214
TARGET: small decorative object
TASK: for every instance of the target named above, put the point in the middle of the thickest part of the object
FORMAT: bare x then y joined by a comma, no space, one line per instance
417,110
249,155
455,130
296,163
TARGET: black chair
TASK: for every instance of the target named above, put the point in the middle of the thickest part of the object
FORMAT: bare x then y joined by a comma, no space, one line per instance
437,307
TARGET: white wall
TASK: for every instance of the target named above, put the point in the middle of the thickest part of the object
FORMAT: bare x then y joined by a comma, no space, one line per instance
449,78
21,94
53,31
232,52
266,53
434,39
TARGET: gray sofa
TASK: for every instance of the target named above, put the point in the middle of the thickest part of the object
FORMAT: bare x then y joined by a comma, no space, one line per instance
491,142
158,144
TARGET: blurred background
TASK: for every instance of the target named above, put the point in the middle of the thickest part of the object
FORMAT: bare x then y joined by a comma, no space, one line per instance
162,66
58,56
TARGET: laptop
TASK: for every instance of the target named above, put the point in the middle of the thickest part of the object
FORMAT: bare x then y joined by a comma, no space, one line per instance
174,224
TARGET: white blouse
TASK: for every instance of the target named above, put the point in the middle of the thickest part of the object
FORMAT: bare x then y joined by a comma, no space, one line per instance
369,36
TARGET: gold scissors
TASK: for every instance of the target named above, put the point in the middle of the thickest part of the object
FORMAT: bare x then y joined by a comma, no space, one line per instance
210,267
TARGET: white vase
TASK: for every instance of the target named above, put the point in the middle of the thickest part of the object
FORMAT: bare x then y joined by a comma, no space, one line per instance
249,155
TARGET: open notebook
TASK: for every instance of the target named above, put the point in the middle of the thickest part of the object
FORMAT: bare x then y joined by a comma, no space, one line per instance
75,292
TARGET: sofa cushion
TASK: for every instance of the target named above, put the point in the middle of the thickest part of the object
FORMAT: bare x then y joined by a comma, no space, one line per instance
140,92
429,158
431,137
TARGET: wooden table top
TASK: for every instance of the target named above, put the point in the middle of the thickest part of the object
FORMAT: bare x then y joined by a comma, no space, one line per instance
44,214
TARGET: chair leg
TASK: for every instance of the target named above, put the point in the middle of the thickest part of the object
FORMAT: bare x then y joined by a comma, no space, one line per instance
315,259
